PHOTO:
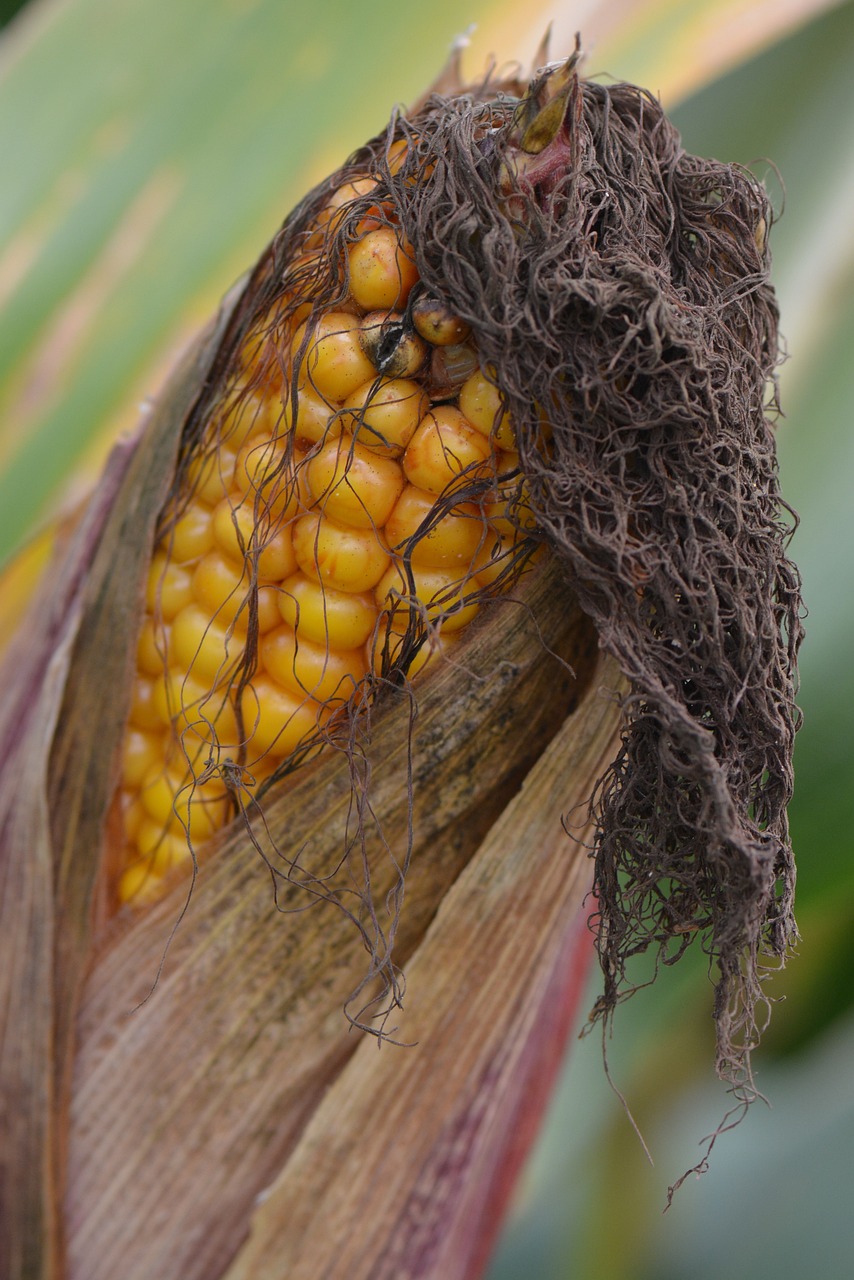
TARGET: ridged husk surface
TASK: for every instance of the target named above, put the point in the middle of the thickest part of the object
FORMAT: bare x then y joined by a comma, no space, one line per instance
619,287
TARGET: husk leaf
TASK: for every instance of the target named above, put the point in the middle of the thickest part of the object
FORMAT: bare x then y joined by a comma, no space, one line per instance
66,671
195,1098
407,1163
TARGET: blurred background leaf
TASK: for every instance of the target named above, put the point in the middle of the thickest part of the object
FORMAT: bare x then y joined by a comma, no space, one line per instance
149,148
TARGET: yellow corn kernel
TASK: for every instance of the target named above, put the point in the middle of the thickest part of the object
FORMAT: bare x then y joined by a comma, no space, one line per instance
382,271
176,802
261,354
169,588
191,535
496,557
221,587
334,364
141,881
395,349
397,153
267,479
387,649
437,324
341,557
209,474
142,751
306,668
452,540
143,713
443,448
508,509
317,519
343,619
152,652
268,607
239,535
335,210
437,595
313,421
161,849
277,719
384,414
480,403
353,485
186,705
206,647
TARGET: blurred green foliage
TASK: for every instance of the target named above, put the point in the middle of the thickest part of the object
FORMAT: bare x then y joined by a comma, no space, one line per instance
160,146
8,9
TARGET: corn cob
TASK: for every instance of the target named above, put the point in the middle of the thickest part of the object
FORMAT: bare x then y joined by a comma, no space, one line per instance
554,241
355,496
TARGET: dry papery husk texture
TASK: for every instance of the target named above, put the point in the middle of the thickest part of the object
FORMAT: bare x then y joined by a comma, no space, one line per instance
619,289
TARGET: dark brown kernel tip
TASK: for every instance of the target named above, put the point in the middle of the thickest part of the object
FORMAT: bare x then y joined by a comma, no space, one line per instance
435,321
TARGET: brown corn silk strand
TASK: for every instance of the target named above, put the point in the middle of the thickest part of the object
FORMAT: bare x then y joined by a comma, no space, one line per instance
619,287
626,291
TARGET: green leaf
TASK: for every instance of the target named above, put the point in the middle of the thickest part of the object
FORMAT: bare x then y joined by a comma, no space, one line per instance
155,148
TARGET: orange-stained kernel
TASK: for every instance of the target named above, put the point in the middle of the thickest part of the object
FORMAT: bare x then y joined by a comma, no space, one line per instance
480,402
452,539
382,270
342,557
383,414
307,668
443,448
341,619
334,363
439,595
278,719
354,485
